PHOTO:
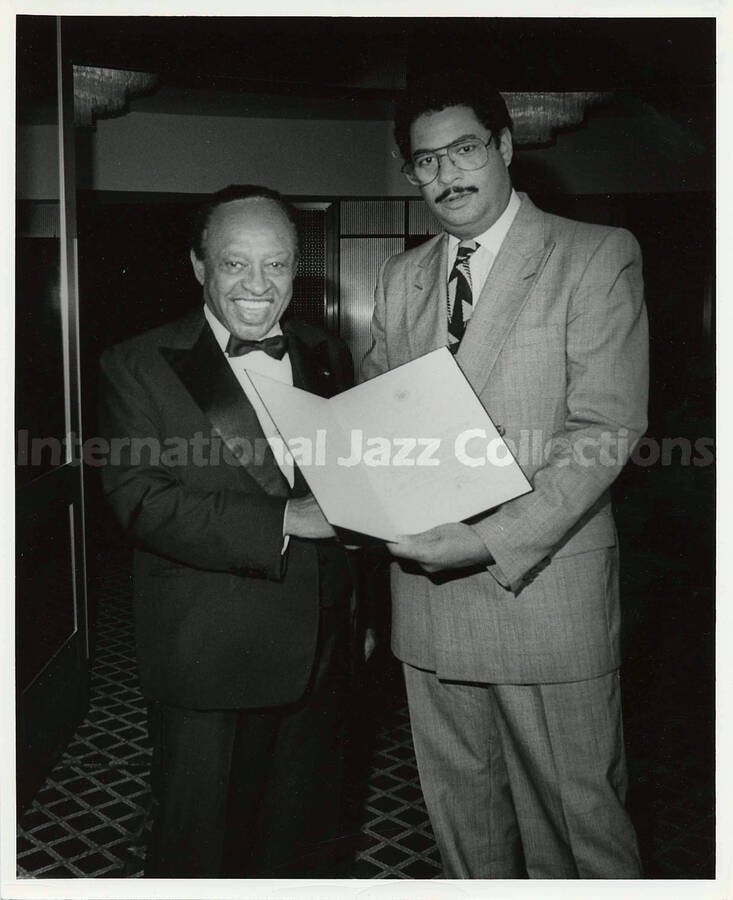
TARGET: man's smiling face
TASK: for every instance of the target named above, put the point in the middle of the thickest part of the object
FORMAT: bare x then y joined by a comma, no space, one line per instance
465,202
250,258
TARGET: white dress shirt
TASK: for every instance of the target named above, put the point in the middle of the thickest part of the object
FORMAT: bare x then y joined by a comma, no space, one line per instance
489,243
259,361
279,369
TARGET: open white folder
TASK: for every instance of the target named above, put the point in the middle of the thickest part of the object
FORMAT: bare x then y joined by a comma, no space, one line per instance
397,455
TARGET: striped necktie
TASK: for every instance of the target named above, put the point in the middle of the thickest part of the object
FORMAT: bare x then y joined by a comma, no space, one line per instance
459,312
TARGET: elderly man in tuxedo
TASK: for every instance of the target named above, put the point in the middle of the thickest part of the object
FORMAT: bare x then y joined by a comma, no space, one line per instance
508,625
241,593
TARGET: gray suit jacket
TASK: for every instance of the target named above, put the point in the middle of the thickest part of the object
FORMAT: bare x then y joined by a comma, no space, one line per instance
557,351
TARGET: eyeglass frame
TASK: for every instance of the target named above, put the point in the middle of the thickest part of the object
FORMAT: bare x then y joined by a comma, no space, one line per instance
446,147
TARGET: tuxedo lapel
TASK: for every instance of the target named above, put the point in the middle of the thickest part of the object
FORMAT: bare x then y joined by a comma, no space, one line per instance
427,309
310,363
304,376
516,269
207,376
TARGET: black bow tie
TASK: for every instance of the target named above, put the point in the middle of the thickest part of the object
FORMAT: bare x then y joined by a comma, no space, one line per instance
276,347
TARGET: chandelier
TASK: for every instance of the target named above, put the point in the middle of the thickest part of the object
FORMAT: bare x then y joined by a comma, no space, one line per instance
538,115
99,93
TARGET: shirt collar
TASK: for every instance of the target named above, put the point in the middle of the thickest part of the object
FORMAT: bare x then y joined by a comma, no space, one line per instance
221,333
494,236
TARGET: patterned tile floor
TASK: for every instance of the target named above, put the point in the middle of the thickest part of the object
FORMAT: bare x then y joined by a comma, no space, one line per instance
90,817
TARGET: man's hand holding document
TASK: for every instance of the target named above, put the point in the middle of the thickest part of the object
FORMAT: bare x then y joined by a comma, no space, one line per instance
400,454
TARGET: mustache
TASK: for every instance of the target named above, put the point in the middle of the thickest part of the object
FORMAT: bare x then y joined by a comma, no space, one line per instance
451,192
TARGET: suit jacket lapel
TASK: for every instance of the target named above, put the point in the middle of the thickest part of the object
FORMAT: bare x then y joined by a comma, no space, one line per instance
310,362
427,311
516,269
304,376
207,376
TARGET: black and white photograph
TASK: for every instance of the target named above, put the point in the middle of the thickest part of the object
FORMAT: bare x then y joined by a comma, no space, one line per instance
364,446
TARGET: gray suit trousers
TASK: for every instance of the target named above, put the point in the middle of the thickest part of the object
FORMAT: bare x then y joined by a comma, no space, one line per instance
535,771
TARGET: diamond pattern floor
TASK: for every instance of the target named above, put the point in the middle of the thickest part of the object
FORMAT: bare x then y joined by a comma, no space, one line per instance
91,815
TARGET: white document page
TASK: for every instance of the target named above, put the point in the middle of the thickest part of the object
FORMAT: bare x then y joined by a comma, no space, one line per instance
402,453
315,438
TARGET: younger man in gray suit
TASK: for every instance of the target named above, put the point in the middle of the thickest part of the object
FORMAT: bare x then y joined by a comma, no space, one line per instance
508,627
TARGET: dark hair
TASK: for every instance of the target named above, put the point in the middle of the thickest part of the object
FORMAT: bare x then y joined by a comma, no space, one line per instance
237,192
452,88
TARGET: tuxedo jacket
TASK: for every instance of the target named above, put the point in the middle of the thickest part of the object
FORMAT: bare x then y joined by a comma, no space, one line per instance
557,351
223,618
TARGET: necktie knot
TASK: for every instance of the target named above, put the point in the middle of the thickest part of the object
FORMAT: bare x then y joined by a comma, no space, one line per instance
463,255
465,249
276,346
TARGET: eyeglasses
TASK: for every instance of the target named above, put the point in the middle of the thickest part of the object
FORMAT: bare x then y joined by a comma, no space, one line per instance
469,154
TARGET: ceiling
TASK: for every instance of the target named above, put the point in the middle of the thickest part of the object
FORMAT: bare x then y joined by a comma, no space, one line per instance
355,67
